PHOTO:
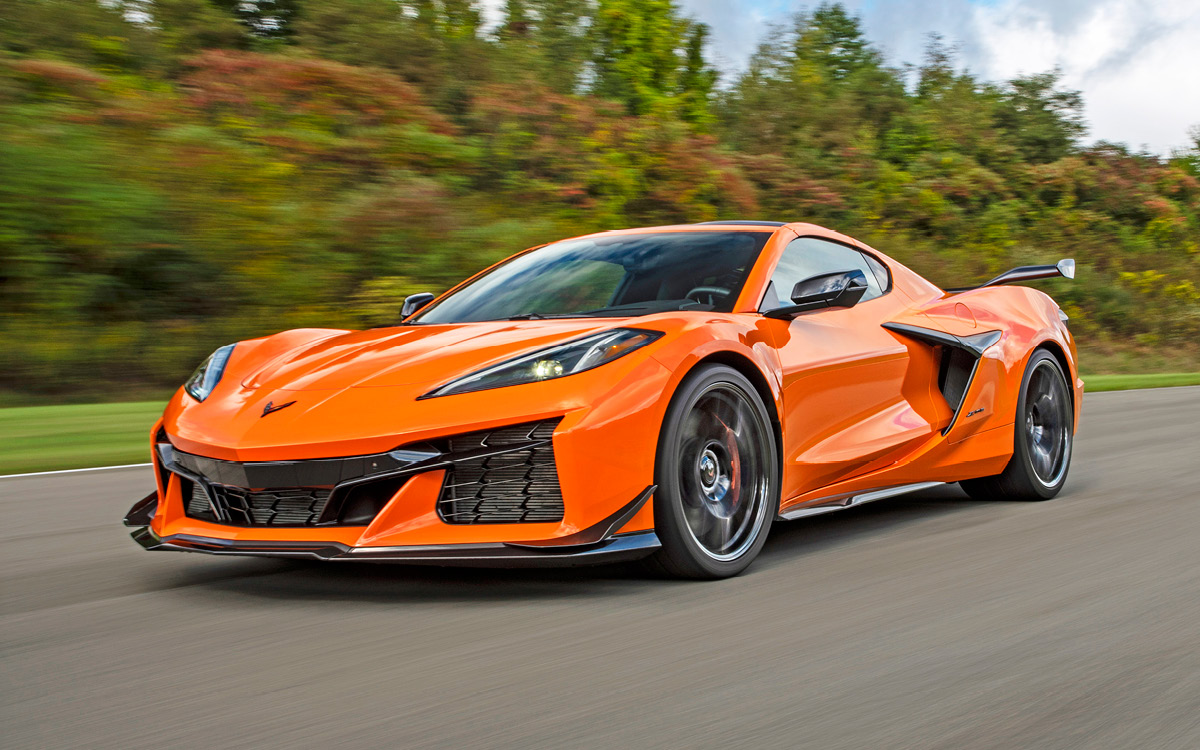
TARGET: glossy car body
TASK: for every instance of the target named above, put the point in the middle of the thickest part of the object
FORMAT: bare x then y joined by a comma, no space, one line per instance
856,406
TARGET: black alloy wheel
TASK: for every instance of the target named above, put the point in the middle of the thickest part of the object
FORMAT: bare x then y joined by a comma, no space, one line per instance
718,476
1044,436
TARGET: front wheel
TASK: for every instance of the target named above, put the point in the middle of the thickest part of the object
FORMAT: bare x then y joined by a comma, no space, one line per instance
1044,436
717,475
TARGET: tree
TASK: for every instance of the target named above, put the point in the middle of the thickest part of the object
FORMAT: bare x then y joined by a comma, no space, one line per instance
636,60
1045,122
697,79
833,40
548,40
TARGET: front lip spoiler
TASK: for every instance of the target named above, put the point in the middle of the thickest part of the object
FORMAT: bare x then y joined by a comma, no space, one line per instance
617,548
599,543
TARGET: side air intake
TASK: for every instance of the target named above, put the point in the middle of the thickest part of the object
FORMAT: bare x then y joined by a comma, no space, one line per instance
960,360
514,482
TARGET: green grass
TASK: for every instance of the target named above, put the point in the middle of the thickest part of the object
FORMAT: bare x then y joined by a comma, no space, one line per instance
77,436
45,438
1148,380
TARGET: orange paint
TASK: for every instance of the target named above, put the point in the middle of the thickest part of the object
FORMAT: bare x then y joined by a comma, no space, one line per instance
857,405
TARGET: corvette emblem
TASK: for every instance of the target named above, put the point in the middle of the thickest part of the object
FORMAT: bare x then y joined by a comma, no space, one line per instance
270,407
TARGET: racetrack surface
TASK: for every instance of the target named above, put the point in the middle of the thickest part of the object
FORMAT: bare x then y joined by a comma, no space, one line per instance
927,621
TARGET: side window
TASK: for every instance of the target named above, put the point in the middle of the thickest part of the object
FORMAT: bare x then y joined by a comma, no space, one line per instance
881,272
808,256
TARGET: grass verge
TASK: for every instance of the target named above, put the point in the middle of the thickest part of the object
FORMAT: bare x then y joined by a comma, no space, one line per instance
1147,380
75,436
78,436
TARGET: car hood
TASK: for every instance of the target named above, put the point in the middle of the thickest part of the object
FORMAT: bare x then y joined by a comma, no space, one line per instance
404,355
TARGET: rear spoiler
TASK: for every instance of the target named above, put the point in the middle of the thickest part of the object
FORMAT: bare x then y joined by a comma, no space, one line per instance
1065,268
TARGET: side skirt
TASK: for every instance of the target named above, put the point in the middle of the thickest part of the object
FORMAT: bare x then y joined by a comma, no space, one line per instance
841,502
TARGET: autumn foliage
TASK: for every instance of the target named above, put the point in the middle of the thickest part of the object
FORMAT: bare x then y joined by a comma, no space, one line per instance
177,175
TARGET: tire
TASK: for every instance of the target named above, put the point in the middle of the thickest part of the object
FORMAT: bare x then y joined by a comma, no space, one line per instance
1043,440
717,471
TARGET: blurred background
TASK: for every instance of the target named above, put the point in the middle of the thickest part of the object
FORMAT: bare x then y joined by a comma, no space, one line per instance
179,174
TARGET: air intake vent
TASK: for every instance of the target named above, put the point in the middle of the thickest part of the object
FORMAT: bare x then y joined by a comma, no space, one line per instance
299,506
517,485
955,375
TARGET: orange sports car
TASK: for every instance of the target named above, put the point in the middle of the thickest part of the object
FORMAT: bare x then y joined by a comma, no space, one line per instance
664,393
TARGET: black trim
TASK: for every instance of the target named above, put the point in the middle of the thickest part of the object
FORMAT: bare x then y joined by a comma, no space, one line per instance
928,335
142,512
530,495
189,543
974,345
342,474
596,533
1024,273
616,549
320,472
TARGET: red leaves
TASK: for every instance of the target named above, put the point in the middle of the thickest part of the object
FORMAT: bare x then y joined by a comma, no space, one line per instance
57,78
275,87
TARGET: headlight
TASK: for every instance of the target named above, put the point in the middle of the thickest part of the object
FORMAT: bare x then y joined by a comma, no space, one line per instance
208,374
554,362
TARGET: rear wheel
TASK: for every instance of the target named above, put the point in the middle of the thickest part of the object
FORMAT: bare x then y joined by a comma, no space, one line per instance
1044,437
717,475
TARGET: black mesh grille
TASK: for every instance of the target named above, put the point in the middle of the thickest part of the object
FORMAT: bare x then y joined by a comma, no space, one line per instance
299,506
519,486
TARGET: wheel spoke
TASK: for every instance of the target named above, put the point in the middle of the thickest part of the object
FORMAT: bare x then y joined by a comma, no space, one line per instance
722,474
1047,423
723,532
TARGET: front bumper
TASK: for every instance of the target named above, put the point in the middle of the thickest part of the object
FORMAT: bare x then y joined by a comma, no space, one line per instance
619,548
600,543
604,448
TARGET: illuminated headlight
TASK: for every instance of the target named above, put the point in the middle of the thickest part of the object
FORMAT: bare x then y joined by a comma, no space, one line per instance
208,374
547,368
555,362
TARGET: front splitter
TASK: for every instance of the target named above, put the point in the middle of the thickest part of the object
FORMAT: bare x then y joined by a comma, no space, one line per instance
617,548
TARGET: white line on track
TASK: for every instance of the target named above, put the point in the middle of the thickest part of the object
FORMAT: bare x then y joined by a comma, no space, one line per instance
72,471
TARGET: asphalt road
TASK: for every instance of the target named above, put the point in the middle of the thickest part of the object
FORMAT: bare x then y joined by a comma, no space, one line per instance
931,621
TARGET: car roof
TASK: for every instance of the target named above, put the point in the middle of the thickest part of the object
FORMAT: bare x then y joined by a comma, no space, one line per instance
743,222
748,225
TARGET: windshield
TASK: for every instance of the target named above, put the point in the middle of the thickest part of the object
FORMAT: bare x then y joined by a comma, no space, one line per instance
617,275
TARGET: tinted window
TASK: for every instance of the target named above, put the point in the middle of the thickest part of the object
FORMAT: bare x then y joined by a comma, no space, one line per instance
881,272
628,274
806,257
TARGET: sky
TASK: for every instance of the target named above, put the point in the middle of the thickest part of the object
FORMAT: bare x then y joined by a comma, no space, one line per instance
1137,62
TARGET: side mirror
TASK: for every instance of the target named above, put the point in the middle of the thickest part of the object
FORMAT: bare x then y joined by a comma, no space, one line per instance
838,289
414,302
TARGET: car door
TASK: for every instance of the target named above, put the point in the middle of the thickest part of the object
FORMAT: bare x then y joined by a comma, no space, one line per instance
846,410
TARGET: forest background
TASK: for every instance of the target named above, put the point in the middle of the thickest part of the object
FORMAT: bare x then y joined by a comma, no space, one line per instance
179,174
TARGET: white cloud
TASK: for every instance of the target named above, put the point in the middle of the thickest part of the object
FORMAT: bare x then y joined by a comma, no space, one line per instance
1136,61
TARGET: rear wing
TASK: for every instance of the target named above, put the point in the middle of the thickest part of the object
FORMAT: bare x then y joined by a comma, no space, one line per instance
1064,268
